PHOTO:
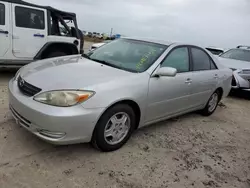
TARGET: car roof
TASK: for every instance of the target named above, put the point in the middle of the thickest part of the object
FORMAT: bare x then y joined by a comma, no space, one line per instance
62,13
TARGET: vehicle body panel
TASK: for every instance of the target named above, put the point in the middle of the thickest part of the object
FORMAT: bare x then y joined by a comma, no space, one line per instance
27,42
203,85
35,117
233,63
168,95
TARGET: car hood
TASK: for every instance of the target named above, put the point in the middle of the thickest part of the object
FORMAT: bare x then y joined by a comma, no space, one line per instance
73,72
233,63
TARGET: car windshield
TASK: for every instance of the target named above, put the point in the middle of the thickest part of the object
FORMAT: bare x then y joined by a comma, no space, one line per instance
128,54
238,54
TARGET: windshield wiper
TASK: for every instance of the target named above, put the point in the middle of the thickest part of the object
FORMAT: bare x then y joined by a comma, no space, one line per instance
106,63
86,56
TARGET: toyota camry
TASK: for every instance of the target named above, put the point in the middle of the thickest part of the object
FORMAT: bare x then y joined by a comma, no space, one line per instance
103,96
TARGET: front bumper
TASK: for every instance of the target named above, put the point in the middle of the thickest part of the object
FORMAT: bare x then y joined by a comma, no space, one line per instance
57,125
240,81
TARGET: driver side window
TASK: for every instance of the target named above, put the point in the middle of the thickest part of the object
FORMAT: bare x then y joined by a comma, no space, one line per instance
2,14
178,59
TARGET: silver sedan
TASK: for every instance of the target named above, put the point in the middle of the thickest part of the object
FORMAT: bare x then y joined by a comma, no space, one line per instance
122,86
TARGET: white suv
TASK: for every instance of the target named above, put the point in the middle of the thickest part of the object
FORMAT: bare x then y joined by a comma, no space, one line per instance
31,32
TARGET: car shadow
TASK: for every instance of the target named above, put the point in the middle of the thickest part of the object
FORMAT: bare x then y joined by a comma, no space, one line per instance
85,150
7,73
243,94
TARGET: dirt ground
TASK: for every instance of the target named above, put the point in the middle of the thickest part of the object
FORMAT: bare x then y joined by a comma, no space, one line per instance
189,151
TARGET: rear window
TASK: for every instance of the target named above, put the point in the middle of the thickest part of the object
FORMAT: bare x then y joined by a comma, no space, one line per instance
201,61
29,18
2,14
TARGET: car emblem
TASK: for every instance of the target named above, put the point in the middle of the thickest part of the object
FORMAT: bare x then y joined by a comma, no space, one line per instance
21,82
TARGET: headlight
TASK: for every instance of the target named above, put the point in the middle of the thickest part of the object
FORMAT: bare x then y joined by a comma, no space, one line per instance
63,98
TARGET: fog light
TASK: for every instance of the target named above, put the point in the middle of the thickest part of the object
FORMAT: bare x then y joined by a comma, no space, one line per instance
52,134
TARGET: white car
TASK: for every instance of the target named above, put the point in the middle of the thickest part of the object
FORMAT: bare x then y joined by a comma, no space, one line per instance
31,32
97,45
99,36
238,59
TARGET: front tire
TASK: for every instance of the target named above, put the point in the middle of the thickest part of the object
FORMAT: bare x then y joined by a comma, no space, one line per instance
211,104
114,128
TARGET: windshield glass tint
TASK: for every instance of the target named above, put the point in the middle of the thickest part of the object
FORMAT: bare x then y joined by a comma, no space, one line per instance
238,54
128,54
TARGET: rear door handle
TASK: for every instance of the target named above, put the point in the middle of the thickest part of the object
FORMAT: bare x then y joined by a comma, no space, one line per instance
216,76
4,32
188,81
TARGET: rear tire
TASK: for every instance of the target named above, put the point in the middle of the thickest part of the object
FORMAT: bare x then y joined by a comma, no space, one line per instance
211,104
56,54
111,123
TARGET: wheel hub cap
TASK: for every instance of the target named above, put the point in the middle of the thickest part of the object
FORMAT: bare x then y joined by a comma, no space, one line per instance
117,128
213,102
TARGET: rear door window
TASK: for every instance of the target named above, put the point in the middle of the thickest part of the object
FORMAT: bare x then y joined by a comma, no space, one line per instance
29,18
2,14
201,60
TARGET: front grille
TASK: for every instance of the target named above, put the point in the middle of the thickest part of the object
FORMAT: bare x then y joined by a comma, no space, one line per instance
234,82
26,88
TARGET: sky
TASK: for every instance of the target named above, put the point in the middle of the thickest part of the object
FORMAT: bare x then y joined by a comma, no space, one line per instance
220,23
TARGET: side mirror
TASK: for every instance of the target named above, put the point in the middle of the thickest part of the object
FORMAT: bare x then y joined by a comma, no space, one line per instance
166,71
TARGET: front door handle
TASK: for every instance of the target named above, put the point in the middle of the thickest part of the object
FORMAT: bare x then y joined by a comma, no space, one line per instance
4,32
188,81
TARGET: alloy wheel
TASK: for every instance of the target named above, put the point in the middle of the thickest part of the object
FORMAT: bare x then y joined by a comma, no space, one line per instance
213,102
117,128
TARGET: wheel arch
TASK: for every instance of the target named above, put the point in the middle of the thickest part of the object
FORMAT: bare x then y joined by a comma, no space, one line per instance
68,48
134,105
220,89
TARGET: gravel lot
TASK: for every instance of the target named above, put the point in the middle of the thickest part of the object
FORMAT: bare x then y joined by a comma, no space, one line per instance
189,151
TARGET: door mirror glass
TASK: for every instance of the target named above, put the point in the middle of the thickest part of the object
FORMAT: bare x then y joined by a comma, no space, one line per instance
166,71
